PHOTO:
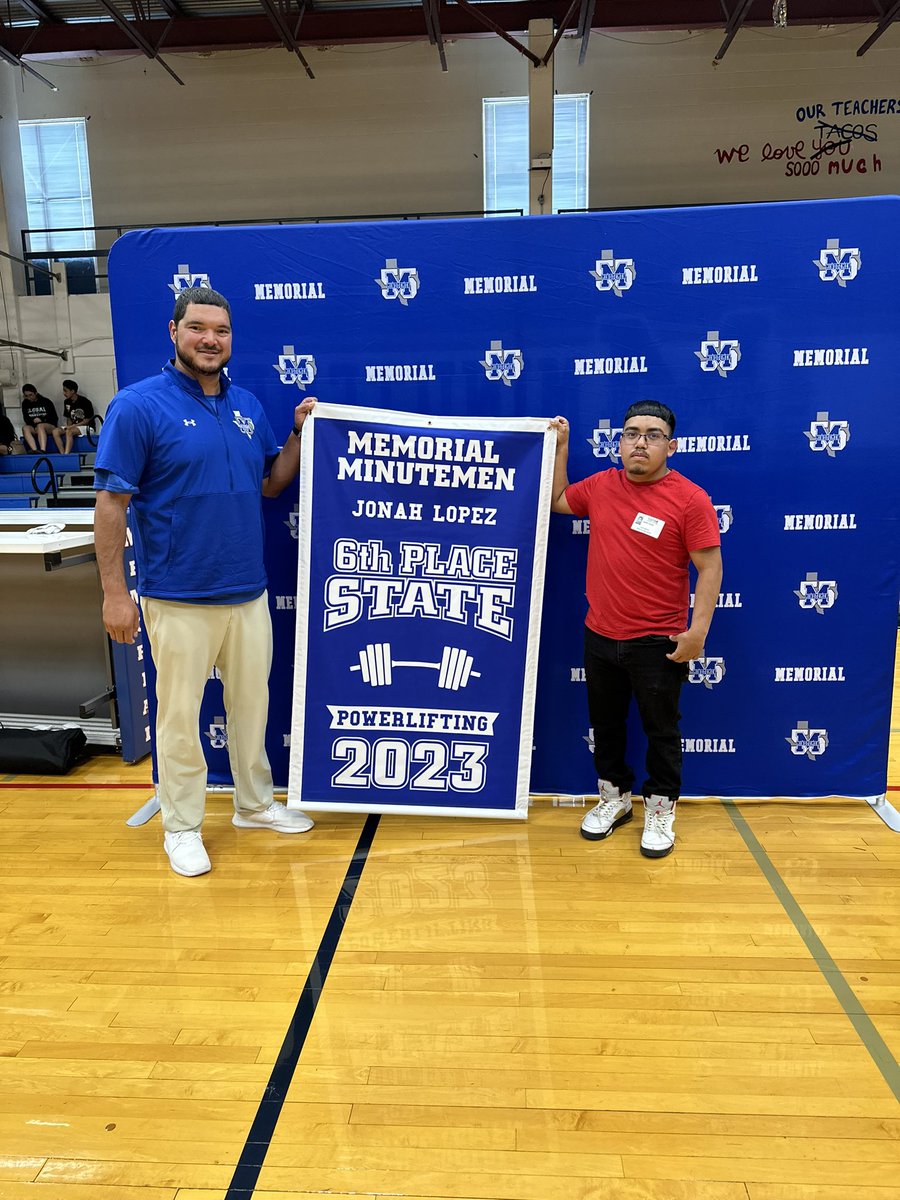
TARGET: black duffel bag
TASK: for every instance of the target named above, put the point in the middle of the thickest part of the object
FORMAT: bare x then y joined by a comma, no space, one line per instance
41,751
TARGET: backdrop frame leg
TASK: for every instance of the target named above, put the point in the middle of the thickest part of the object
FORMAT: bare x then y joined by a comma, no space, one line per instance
885,810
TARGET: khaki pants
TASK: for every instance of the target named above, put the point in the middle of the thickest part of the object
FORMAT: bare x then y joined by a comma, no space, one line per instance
187,641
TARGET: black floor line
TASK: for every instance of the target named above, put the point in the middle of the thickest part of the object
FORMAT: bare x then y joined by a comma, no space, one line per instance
854,1008
256,1147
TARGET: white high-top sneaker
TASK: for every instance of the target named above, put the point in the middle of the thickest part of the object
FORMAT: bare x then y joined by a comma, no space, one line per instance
658,838
613,810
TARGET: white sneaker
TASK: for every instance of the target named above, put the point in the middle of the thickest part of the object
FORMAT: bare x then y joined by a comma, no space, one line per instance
658,838
613,810
187,854
277,816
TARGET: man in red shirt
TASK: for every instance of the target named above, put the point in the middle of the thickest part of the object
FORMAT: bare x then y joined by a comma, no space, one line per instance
647,524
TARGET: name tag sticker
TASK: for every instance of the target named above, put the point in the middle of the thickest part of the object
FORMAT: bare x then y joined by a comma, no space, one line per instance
652,526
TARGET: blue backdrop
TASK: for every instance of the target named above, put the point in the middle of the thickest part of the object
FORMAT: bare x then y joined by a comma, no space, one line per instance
771,330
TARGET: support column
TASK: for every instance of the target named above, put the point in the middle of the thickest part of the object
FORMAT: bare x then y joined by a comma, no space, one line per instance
540,120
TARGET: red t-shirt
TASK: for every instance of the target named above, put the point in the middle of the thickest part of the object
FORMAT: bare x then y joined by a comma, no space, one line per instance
637,583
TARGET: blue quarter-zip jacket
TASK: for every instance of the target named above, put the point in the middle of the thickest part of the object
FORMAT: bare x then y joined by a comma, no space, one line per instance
195,466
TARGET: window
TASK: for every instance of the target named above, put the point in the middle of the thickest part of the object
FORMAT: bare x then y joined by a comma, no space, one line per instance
57,182
506,152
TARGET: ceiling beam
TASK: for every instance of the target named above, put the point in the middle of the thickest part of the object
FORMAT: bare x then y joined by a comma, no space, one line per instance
585,22
131,31
277,15
489,23
563,25
328,26
735,21
433,28
14,60
38,10
887,20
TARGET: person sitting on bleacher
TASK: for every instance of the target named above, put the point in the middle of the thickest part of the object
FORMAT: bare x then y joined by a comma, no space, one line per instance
39,418
7,434
78,417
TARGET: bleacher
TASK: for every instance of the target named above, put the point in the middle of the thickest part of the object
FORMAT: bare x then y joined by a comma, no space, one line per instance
49,480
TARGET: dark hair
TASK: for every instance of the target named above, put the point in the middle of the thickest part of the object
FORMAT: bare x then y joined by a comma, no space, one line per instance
70,384
653,408
29,387
199,295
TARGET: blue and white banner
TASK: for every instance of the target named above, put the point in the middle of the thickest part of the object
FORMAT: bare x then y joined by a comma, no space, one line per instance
419,595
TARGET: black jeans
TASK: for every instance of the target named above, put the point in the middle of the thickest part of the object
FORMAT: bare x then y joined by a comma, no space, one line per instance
616,671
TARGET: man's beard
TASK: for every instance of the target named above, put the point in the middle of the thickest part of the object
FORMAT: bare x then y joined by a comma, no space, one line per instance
198,365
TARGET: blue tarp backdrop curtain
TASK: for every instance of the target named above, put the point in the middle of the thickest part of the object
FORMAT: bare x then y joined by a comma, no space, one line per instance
771,330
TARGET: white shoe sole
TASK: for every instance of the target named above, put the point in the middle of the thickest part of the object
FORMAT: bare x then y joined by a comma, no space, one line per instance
598,837
240,822
190,874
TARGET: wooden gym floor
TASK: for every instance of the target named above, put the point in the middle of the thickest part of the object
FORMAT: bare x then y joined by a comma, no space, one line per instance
433,1008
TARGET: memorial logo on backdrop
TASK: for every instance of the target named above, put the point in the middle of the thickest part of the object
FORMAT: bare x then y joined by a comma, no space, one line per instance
505,365
720,355
836,265
398,283
604,441
708,671
807,743
185,278
217,733
613,274
293,368
724,516
825,434
293,521
815,593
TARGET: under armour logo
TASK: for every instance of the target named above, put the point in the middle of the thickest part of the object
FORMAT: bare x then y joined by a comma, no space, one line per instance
187,422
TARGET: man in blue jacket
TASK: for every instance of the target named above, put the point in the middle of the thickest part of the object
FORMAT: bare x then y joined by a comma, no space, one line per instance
192,454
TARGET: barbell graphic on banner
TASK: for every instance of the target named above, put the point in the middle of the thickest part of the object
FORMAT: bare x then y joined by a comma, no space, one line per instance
454,670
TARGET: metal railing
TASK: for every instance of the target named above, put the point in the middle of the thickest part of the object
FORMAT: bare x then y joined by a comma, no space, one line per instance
86,268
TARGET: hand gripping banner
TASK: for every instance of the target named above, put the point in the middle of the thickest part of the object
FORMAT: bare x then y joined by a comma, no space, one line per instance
420,584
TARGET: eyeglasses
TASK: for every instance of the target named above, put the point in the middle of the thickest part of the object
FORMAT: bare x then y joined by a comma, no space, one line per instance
653,436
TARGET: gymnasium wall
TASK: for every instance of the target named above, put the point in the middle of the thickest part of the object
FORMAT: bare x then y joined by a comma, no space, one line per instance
381,129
